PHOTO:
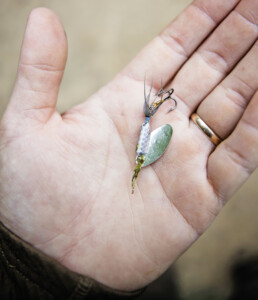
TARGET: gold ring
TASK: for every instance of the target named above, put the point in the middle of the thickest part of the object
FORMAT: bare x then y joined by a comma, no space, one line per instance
206,129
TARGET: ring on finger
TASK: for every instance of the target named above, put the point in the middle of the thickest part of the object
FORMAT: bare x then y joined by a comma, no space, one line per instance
206,129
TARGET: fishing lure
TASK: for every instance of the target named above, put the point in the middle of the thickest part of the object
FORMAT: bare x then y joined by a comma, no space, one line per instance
152,145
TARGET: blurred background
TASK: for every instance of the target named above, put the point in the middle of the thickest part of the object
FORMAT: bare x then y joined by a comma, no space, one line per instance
103,36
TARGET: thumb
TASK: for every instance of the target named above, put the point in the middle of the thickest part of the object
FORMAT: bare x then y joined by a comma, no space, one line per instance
41,66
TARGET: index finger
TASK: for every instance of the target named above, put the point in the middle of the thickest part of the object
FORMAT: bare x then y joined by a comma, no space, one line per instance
169,50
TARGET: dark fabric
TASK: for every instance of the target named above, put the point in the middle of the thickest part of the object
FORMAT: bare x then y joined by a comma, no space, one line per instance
26,273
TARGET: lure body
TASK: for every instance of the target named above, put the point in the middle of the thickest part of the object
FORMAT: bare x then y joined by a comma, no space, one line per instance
151,146
143,142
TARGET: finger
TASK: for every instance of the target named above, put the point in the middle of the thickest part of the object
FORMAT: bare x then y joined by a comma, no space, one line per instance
223,108
168,51
237,157
41,66
217,56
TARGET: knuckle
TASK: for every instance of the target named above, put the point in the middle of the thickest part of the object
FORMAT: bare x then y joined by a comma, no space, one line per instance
214,59
239,158
174,43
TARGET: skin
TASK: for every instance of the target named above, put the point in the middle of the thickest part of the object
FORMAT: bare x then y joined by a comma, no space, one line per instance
65,180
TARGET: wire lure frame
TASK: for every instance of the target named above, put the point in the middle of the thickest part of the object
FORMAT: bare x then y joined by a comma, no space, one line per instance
152,145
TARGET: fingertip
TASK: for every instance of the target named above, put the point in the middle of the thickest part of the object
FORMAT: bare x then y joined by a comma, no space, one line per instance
44,38
45,15
41,11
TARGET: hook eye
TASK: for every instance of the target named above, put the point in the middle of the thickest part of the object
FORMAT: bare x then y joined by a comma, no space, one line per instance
173,107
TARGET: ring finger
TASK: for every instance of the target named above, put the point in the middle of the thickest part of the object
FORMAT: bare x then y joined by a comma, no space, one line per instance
222,109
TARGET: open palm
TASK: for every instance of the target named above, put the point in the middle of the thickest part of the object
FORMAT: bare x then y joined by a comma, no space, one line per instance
66,180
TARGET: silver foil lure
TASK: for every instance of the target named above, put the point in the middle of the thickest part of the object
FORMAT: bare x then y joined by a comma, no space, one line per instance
151,145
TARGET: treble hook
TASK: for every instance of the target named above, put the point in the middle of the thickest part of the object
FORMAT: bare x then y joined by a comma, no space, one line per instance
150,110
169,92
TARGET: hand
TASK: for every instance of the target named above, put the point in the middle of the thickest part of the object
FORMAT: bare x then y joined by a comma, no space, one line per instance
65,180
